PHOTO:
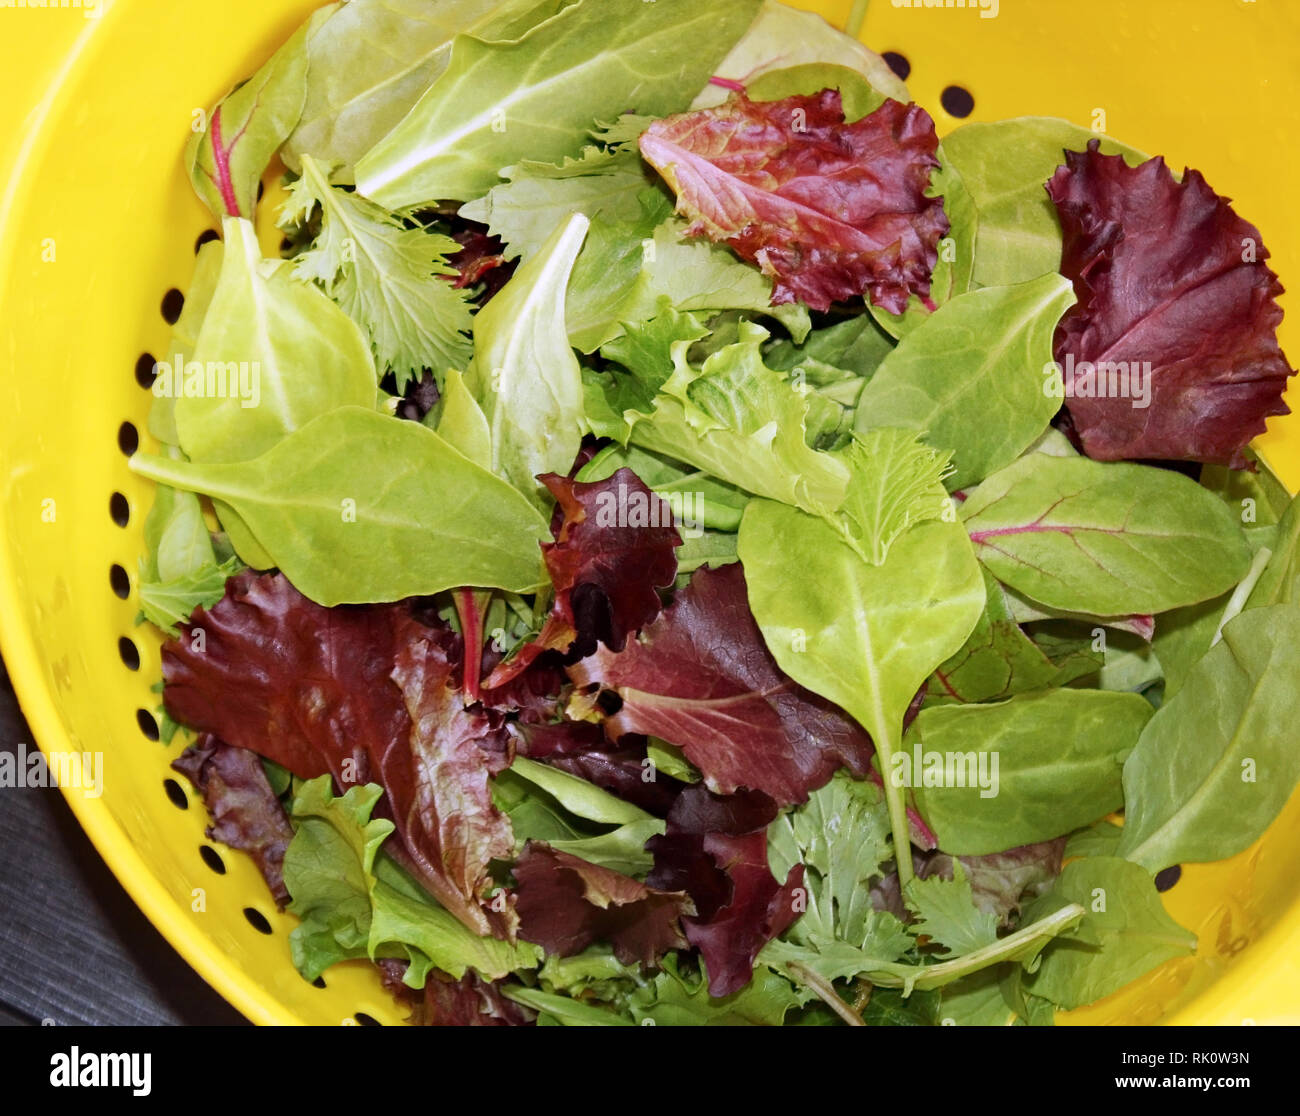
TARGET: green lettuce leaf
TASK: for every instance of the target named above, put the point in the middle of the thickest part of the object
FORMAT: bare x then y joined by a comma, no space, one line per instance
537,96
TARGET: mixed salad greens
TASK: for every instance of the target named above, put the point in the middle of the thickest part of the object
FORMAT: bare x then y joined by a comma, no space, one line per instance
701,551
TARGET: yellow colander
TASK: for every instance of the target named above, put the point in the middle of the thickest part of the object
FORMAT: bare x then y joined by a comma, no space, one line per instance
98,224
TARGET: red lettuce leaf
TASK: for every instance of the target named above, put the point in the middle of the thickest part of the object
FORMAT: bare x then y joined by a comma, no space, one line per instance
365,693
565,903
446,1002
701,677
582,749
1164,272
715,850
246,814
829,210
481,259
615,545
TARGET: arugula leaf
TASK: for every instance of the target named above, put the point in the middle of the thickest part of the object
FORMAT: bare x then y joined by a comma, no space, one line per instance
227,159
1102,538
373,59
787,185
275,353
388,278
537,197
781,37
525,376
992,777
970,377
947,915
353,901
1124,933
1005,164
537,96
865,637
1240,704
740,421
389,501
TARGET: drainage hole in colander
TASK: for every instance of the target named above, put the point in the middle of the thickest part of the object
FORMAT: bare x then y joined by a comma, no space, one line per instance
130,654
119,509
319,982
144,371
148,724
366,1020
257,920
176,794
205,237
896,62
120,581
213,860
1166,878
957,101
172,304
128,438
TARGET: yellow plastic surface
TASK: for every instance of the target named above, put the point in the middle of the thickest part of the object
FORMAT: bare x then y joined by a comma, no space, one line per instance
97,222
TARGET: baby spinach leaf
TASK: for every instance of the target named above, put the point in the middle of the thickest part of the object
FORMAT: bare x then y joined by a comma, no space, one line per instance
1005,165
537,96
461,422
991,777
742,422
1240,705
373,59
971,377
398,510
185,335
524,375
858,97
275,353
226,160
1124,933
1280,581
865,637
390,279
1104,538
976,1001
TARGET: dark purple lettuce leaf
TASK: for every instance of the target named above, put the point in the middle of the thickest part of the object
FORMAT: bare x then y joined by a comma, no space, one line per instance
581,748
715,850
615,546
365,693
701,677
829,210
566,903
446,1002
1165,272
246,814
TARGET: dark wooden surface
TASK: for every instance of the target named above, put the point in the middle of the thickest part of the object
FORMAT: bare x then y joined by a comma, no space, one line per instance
74,949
